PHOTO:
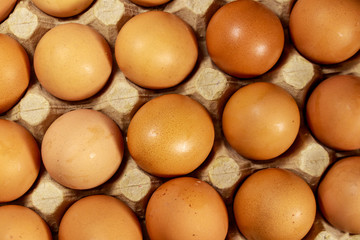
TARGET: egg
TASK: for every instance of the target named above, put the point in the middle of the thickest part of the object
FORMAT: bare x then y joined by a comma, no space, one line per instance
99,217
150,3
339,195
170,135
244,38
72,61
326,31
156,50
62,8
5,8
333,112
186,208
261,121
82,149
19,160
14,72
20,223
274,204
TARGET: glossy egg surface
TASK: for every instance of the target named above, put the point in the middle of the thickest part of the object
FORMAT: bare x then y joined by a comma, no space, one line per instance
274,204
186,208
261,121
244,38
326,31
156,50
170,135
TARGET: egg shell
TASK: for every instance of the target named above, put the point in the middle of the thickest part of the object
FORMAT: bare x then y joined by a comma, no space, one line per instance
14,72
274,204
224,169
186,208
333,112
170,135
62,8
156,50
19,222
326,31
339,195
244,38
261,121
19,160
82,149
5,8
72,61
99,217
150,3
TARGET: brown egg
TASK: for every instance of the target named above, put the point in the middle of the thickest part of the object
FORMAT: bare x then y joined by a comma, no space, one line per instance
5,8
339,195
170,135
72,61
20,223
261,121
82,149
156,50
274,204
244,38
14,72
186,208
326,31
62,8
333,112
99,217
19,160
149,3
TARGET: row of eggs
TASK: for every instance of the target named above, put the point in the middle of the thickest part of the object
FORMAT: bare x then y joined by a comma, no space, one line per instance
158,50
289,115
271,203
170,136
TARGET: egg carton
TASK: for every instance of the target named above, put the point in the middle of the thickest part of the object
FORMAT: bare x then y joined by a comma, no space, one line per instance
224,169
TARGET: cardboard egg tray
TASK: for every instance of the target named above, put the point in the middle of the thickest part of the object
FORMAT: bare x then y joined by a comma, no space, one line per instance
224,169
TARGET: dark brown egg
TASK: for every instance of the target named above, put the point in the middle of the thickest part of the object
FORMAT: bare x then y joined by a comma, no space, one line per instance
244,38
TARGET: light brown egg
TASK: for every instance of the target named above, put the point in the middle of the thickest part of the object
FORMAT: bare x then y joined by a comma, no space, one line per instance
99,217
19,160
274,204
186,208
82,149
244,38
14,72
5,8
339,195
170,135
150,3
333,112
62,8
156,50
261,121
20,223
326,31
72,61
